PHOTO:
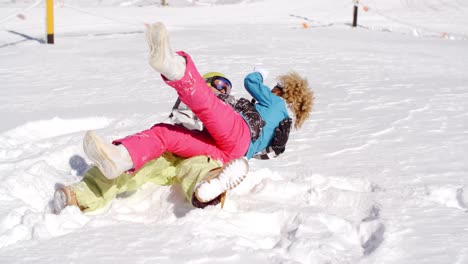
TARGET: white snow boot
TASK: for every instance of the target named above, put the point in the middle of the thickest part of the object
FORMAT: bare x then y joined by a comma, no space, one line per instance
231,175
219,199
63,197
111,160
161,56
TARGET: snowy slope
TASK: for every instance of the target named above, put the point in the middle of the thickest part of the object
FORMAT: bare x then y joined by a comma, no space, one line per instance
377,175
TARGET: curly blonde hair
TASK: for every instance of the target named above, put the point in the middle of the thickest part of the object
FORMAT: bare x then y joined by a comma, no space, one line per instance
298,95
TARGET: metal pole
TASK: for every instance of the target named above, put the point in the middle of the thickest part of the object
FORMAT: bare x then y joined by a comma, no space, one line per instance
356,3
50,21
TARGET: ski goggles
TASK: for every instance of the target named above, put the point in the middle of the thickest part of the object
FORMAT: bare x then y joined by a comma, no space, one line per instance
220,83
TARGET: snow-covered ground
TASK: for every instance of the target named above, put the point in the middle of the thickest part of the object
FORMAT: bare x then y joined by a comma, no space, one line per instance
378,174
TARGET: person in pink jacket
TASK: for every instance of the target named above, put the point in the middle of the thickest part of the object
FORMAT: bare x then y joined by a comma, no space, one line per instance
234,132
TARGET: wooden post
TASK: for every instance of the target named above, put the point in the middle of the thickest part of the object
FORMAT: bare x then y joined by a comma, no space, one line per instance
356,5
50,21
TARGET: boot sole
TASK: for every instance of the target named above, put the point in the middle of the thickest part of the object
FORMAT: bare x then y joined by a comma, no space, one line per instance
157,56
63,197
227,179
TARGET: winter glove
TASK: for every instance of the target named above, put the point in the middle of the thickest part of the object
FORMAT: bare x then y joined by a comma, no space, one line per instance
262,72
278,144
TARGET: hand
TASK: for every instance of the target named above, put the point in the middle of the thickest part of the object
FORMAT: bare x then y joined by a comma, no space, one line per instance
278,144
262,72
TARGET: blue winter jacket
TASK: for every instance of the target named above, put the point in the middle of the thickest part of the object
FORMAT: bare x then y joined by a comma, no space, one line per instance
271,108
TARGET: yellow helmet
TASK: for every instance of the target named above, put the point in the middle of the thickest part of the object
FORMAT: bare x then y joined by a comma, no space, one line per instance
222,83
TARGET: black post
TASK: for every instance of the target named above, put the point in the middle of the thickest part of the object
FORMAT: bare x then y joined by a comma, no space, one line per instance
50,38
355,15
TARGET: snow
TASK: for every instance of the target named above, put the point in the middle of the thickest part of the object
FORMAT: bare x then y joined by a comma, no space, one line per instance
377,175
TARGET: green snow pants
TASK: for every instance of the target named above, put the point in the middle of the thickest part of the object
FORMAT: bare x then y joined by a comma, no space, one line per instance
95,190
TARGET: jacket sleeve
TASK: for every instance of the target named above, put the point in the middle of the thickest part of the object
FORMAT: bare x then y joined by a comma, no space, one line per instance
253,83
